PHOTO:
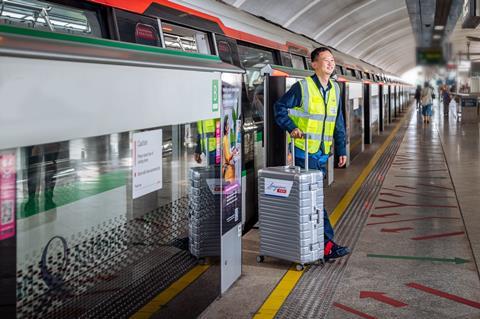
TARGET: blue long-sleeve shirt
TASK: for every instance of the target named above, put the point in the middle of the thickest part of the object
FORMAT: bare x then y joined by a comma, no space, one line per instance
292,99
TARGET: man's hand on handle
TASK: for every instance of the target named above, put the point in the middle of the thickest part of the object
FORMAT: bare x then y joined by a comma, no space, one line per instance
198,158
296,133
342,160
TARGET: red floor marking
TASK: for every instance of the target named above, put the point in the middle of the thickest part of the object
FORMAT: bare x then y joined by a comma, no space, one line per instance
410,219
391,194
397,204
413,193
438,235
394,230
436,186
380,296
384,215
425,170
351,310
403,186
442,294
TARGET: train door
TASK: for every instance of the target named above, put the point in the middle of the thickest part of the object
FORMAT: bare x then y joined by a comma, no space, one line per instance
395,100
386,106
253,59
401,100
371,111
391,103
381,108
278,80
354,119
343,87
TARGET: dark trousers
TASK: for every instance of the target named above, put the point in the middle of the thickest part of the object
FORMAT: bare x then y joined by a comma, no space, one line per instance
35,163
315,164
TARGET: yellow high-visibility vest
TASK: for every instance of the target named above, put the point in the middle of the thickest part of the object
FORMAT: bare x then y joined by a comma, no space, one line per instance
315,117
206,129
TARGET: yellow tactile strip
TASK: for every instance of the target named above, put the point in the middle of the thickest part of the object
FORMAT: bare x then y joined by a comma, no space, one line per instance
168,294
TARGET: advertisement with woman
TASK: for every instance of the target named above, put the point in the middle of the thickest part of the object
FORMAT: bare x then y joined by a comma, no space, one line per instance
231,152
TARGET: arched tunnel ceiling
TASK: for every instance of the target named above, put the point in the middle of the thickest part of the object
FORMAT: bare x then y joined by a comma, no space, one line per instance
377,31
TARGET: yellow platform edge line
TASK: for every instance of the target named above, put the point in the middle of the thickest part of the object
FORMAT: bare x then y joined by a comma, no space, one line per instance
277,297
168,294
285,286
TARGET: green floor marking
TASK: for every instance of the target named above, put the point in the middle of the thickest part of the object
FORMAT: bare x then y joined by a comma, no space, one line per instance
66,194
449,260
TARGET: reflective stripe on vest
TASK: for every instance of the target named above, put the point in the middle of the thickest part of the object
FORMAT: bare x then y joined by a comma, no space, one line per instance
206,129
315,117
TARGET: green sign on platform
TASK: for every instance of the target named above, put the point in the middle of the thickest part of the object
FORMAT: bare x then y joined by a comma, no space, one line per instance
214,95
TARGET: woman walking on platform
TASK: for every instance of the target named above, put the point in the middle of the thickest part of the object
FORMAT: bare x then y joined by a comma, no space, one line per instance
427,102
418,92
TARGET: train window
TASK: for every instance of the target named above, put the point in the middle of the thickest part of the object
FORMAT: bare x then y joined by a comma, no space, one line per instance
252,60
309,63
225,51
351,72
297,62
136,28
338,69
286,59
50,17
185,39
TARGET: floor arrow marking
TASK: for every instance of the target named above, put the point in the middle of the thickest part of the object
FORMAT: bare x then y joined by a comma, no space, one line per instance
438,236
410,219
442,294
380,296
397,204
394,230
384,215
455,260
351,310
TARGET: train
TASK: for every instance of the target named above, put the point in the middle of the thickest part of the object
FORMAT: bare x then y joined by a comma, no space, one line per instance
187,43
372,97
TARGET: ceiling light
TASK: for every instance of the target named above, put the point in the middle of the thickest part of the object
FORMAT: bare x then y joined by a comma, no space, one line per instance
436,36
439,27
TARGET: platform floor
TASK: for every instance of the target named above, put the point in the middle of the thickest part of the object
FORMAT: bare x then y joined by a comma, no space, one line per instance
414,228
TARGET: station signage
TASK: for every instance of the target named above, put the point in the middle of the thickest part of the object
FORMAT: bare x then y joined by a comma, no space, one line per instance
430,56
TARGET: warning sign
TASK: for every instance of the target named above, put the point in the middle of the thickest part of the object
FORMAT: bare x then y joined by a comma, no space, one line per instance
147,162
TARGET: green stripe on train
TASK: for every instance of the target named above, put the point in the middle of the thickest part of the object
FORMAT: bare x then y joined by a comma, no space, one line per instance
102,42
66,194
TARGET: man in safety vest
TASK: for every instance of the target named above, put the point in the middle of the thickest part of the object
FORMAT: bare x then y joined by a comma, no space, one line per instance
313,106
207,140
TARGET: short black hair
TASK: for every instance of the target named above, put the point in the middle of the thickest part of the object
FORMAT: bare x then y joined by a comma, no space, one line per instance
317,51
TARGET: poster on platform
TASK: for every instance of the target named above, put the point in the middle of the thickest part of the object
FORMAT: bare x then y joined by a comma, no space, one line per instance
147,162
7,194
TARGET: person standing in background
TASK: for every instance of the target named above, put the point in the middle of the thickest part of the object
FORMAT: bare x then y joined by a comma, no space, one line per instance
446,100
427,102
418,92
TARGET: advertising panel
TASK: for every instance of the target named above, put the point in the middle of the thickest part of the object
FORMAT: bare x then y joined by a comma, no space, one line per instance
7,195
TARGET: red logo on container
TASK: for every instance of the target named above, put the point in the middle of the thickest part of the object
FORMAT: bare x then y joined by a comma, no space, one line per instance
281,190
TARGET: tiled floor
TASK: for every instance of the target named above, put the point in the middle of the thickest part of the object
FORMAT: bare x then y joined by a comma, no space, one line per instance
404,265
417,255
